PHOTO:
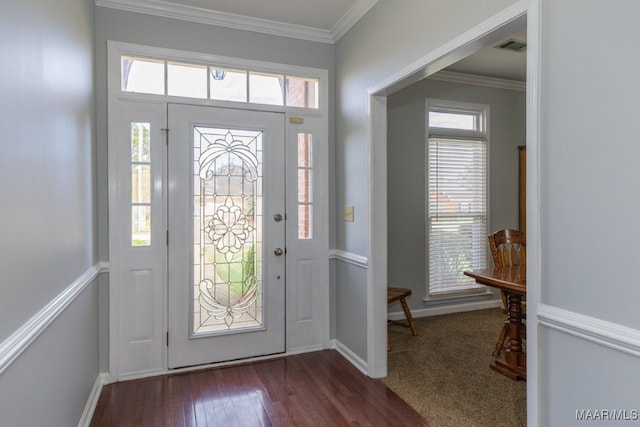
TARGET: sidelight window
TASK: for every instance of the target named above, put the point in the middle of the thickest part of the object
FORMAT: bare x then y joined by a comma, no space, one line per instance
140,184
305,195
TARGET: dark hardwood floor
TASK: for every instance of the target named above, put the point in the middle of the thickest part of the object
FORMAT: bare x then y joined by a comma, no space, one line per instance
312,389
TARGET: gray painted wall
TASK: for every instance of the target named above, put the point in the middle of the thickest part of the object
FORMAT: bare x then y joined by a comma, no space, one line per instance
46,157
47,224
390,36
580,375
588,159
49,384
407,265
588,173
349,309
590,154
589,200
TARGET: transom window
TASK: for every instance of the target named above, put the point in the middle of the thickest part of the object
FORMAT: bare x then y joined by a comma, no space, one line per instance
456,213
216,82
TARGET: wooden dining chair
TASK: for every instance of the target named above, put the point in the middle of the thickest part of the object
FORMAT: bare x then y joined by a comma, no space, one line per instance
508,248
400,294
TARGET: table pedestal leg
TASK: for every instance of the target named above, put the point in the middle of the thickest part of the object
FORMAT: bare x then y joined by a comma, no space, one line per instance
514,365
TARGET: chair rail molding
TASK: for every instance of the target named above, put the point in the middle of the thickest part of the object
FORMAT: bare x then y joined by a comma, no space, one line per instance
609,334
20,340
349,257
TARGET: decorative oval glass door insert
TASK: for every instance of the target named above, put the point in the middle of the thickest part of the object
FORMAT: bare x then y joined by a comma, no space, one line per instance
227,253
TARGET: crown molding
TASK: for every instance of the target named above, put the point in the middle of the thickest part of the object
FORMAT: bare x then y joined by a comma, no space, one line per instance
471,79
168,9
349,19
229,20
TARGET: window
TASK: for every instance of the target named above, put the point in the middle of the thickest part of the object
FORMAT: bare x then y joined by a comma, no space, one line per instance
456,213
305,199
302,92
228,84
266,88
142,75
217,82
186,80
140,184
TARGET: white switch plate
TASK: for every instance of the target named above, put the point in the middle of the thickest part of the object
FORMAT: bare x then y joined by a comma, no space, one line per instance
347,213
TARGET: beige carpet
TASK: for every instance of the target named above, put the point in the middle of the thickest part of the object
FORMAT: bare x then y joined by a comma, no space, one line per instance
444,372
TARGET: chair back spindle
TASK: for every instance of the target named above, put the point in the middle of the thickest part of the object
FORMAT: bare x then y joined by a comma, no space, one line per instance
508,248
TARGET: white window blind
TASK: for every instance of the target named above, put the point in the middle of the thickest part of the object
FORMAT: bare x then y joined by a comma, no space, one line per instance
457,212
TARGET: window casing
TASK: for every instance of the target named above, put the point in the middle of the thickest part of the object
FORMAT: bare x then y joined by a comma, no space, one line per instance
457,196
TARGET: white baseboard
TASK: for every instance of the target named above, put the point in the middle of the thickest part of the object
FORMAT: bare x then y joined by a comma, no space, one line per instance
608,334
447,309
353,358
92,402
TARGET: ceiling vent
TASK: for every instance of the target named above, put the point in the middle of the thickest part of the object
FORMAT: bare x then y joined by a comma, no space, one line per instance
513,44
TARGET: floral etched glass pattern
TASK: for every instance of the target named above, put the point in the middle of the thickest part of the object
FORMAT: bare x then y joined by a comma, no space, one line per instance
227,202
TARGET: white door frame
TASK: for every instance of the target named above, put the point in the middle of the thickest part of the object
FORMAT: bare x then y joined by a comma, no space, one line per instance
491,31
302,333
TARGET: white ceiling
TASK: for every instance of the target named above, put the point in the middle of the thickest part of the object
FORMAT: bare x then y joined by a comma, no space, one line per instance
496,63
318,20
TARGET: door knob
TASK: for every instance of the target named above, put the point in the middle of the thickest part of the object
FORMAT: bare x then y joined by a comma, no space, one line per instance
278,251
277,217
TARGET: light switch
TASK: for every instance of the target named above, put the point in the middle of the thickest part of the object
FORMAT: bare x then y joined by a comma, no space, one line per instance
347,213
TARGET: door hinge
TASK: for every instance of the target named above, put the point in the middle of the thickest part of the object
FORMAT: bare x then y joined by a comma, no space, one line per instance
167,338
166,133
167,238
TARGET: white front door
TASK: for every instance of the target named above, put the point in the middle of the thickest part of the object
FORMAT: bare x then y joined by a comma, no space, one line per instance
226,262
